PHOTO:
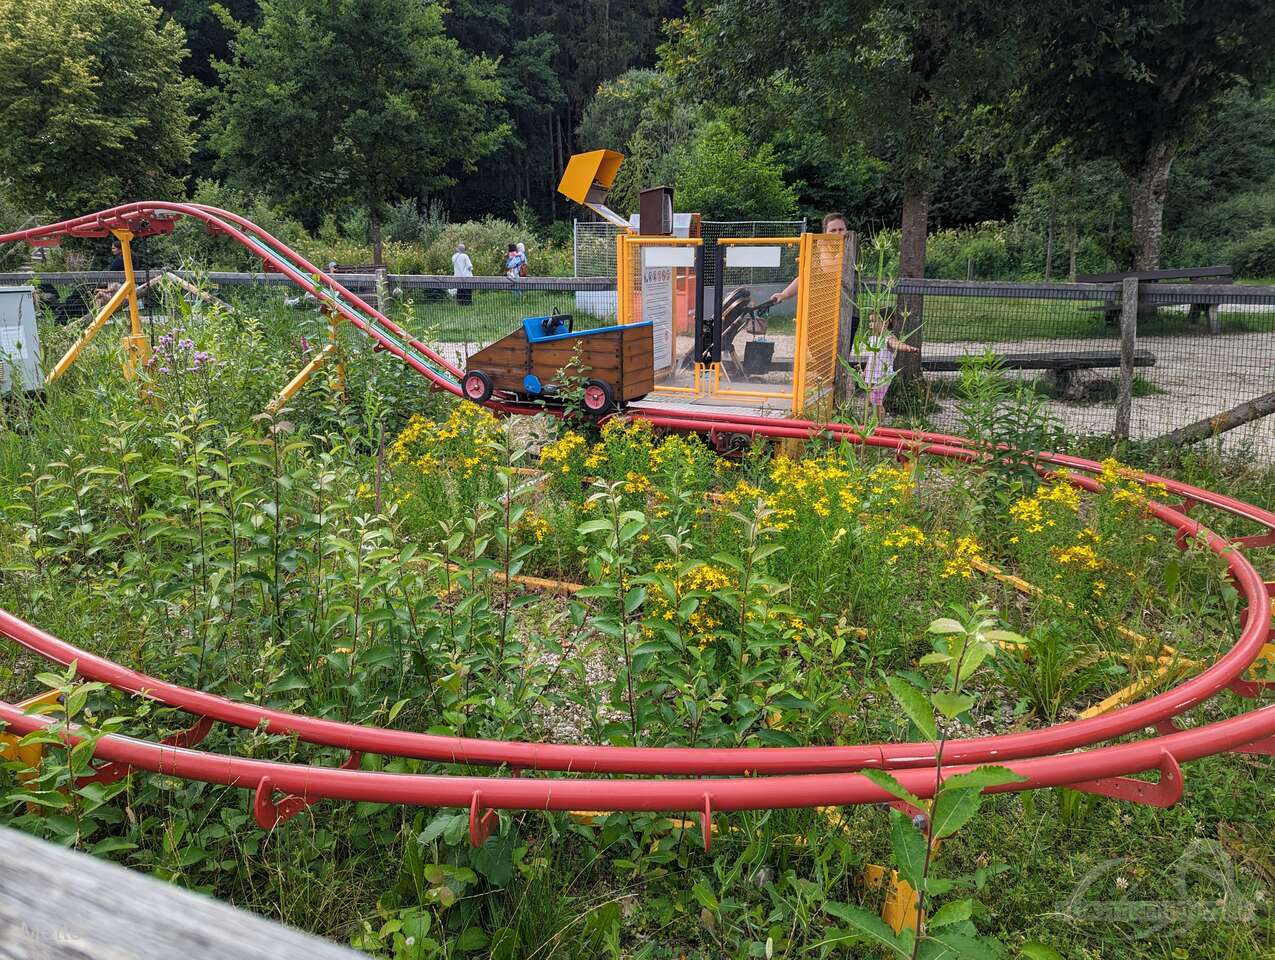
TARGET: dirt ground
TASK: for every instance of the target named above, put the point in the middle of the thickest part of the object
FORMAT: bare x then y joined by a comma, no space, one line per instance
1193,377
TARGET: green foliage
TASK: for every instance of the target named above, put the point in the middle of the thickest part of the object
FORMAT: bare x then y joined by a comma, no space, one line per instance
728,178
339,133
350,558
1131,84
93,104
1005,419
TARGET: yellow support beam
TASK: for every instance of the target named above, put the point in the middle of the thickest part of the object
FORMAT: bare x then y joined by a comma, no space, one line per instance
137,349
28,754
91,331
299,381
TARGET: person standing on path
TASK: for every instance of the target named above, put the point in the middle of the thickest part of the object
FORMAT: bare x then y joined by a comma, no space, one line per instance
515,264
462,266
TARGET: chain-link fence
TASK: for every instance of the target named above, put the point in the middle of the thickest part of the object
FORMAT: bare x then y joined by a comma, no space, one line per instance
1197,351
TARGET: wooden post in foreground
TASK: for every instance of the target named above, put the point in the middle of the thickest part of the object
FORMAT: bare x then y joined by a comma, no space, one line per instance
1128,346
60,905
843,381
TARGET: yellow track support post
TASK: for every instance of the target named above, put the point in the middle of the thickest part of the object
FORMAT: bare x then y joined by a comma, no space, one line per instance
28,754
299,381
91,331
137,349
333,344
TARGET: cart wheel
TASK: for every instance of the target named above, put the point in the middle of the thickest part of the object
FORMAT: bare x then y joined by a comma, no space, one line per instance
477,386
599,398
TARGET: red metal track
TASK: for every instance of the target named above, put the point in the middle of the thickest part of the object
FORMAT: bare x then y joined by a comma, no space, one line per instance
808,775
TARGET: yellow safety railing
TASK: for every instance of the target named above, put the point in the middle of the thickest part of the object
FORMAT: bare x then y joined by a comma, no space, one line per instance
674,289
818,318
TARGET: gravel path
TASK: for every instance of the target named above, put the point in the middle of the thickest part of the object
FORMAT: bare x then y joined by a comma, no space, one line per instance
1199,376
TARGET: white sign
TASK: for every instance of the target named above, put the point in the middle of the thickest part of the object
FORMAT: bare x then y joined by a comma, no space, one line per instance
657,306
668,257
752,256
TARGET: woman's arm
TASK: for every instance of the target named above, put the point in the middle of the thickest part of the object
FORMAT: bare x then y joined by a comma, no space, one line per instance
787,293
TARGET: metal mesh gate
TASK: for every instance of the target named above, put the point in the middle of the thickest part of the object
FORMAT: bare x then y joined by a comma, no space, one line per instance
818,319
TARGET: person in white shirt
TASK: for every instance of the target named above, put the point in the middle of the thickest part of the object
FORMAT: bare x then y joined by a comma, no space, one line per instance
462,266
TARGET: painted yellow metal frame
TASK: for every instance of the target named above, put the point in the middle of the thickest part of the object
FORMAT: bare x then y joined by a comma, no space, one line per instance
330,353
137,349
28,754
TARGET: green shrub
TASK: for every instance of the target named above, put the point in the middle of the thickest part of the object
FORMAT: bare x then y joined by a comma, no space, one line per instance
189,240
1254,255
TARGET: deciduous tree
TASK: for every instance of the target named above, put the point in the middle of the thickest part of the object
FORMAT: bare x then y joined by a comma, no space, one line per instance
1130,81
901,75
358,100
94,110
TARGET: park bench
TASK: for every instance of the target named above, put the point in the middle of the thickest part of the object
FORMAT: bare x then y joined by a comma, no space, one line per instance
1217,274
1061,365
370,296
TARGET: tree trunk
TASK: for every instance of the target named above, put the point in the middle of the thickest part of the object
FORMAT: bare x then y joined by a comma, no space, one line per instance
1209,427
374,215
1148,184
1071,269
916,219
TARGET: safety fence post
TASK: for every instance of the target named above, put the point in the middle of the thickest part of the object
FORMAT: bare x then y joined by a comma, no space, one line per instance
1128,345
848,323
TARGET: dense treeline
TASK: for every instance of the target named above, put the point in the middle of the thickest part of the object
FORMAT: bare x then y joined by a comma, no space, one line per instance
1045,139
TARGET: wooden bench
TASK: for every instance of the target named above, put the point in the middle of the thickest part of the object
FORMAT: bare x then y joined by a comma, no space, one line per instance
370,296
1220,274
1061,365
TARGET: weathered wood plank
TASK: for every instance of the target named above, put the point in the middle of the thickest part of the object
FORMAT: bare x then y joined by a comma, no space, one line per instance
1080,360
1128,354
60,905
1152,276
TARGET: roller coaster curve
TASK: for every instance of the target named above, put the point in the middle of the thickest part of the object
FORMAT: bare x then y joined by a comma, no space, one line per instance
727,779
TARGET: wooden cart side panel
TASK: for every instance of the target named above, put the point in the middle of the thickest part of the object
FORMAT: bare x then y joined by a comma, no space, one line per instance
512,348
638,363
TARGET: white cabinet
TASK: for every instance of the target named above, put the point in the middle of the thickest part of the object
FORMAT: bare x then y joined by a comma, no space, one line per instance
19,341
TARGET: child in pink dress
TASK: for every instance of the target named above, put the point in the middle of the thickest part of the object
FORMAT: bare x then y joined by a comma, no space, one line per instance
879,370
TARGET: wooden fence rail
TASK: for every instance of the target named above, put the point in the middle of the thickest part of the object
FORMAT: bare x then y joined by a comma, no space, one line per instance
59,905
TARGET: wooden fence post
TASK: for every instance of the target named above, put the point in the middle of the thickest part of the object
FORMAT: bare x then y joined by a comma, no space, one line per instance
1128,345
847,322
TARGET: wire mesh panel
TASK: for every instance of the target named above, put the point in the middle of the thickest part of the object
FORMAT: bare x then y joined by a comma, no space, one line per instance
712,231
657,282
758,341
1200,351
819,316
1215,365
593,253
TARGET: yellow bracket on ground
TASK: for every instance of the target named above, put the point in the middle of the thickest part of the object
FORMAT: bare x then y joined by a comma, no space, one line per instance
28,754
901,907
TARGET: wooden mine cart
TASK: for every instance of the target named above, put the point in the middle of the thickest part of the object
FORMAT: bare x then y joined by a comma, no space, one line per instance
617,362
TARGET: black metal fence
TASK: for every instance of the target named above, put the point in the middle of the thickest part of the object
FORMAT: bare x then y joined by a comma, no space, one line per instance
1188,352
1195,351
